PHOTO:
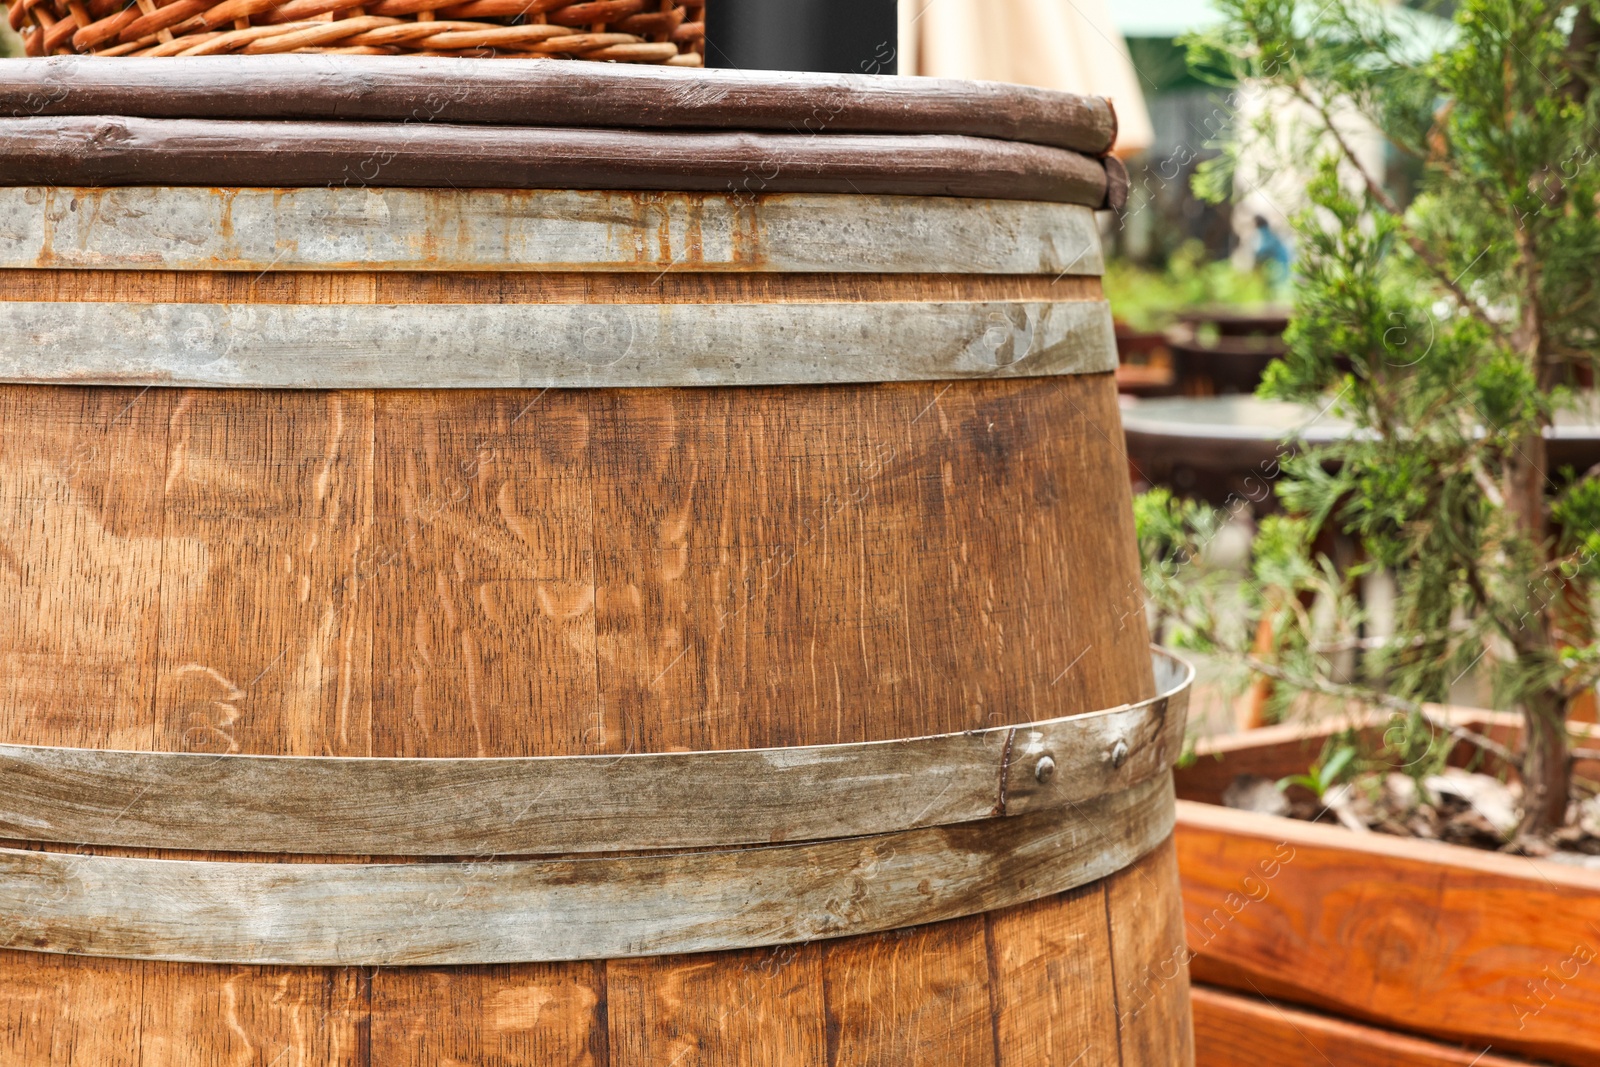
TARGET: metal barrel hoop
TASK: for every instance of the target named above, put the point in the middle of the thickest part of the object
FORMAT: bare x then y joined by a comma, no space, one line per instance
800,843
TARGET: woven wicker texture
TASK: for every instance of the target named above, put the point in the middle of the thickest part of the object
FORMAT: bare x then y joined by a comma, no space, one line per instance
628,31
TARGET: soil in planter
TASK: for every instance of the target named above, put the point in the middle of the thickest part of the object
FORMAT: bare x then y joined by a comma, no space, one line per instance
1456,806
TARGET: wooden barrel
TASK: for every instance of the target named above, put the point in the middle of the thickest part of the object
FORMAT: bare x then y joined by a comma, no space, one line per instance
552,625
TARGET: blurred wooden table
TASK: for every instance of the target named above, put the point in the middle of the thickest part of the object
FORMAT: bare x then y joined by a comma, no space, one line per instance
1225,448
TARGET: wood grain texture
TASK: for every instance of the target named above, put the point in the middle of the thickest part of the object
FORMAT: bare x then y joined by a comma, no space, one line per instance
910,996
1051,984
777,566
482,557
551,346
113,150
63,1009
1232,1030
566,804
426,89
274,493
748,1008
255,1015
151,228
503,1016
1466,946
82,545
1150,959
681,550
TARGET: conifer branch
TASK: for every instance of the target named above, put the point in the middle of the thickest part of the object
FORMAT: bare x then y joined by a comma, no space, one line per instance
1439,268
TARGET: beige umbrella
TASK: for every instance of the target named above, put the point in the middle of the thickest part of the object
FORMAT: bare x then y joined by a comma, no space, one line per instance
1056,44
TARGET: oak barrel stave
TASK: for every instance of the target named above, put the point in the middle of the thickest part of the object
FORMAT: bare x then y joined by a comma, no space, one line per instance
205,570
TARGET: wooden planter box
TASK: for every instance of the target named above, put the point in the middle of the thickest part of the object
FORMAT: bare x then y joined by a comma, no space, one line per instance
1312,944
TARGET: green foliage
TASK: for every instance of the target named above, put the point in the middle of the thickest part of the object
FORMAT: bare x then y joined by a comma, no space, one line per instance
1145,299
1162,65
1336,761
1180,585
1447,330
1576,514
10,43
1416,746
1201,605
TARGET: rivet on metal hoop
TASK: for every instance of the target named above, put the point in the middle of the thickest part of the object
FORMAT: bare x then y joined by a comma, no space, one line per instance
1119,754
1045,769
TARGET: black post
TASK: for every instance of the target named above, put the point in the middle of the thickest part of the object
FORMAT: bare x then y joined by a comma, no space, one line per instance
837,36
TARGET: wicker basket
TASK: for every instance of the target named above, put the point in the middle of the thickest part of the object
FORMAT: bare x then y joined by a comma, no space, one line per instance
627,31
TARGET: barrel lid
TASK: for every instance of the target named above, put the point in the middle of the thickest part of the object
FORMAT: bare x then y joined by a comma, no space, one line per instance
302,120
112,151
544,92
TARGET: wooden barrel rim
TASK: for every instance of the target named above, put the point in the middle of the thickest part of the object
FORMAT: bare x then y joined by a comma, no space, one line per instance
520,93
563,804
113,150
531,911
